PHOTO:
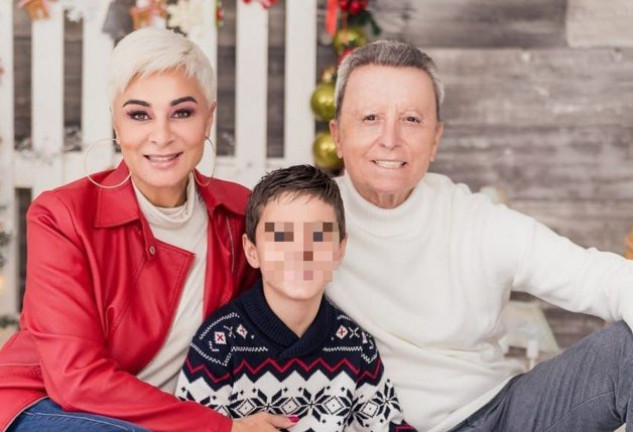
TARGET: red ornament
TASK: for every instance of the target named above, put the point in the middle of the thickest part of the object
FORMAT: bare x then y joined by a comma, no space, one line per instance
265,3
357,6
344,54
344,5
219,13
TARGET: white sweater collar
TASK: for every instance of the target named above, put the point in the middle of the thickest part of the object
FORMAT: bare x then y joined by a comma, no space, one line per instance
402,221
170,218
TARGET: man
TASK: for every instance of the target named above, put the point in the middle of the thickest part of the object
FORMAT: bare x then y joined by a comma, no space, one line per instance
430,266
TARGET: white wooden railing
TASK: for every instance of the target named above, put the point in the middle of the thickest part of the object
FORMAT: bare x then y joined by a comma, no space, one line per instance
47,165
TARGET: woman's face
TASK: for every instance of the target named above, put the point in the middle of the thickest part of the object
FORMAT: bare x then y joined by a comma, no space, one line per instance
161,122
387,131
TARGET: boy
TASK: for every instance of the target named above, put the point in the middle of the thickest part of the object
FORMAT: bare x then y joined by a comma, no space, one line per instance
282,347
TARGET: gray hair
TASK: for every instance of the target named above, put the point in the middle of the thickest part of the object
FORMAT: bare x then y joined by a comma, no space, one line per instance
151,50
387,53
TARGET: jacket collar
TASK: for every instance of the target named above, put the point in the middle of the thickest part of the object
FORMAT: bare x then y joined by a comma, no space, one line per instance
253,303
118,206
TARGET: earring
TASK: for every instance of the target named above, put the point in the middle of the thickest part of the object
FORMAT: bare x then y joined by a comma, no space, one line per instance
93,181
212,144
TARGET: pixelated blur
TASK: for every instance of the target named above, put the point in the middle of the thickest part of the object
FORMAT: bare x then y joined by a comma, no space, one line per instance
301,250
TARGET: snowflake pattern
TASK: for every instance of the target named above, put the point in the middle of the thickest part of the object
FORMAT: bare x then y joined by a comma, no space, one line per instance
342,387
383,404
220,338
324,405
342,332
241,330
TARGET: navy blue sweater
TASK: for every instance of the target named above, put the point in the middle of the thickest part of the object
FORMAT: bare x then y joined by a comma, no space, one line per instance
244,360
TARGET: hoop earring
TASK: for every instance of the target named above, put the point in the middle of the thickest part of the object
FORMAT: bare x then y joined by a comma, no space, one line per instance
93,181
212,168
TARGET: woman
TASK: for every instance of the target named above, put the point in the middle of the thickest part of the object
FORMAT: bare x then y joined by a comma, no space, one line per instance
124,265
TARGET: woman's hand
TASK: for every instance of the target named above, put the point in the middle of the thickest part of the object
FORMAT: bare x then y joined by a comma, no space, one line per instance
263,422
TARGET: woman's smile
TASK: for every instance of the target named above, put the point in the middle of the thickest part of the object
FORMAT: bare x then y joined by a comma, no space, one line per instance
163,160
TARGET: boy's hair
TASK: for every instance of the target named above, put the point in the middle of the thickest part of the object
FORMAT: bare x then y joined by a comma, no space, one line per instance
296,181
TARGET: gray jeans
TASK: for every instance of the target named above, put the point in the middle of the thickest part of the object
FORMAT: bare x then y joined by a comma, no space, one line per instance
588,388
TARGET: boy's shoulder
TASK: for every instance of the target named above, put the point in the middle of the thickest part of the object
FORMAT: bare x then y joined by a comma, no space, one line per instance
226,316
223,329
349,335
342,319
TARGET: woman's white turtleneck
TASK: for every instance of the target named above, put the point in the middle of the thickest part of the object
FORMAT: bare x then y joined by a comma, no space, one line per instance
185,227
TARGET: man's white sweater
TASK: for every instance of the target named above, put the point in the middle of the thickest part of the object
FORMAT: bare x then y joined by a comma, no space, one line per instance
430,278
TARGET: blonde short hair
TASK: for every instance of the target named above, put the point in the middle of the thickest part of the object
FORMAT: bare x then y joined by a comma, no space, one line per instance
151,50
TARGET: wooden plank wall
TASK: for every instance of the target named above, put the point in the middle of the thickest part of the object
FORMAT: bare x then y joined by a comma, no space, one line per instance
539,103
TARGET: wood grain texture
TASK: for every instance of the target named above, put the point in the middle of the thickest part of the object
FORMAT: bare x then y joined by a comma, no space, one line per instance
474,23
544,87
276,76
596,24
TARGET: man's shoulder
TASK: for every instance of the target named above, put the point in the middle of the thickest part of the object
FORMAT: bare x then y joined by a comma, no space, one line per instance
444,183
458,195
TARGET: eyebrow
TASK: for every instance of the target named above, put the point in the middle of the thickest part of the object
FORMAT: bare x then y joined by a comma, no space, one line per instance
183,99
136,102
172,103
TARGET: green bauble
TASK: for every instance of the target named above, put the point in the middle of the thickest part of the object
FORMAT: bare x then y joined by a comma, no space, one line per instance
328,74
322,102
351,37
324,152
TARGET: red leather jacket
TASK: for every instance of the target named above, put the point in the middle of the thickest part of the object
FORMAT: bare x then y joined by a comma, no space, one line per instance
101,293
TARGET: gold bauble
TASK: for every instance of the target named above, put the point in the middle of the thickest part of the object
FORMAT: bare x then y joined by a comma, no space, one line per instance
328,75
350,37
322,102
324,152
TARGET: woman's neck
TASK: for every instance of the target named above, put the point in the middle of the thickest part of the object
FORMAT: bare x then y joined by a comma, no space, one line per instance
166,197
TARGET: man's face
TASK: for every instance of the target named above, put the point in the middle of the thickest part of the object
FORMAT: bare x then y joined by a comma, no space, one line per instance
297,247
387,131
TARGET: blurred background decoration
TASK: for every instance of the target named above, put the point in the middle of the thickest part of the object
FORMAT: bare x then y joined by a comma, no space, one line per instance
345,24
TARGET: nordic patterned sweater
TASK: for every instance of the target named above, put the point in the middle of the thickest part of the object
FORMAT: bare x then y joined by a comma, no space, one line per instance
244,360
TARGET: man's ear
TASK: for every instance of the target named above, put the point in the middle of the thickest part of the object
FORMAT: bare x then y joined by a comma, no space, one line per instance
335,136
250,250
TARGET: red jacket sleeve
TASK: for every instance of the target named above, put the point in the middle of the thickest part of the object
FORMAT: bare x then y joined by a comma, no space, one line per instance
64,317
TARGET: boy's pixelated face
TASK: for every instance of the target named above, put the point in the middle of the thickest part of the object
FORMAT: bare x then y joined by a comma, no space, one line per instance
298,246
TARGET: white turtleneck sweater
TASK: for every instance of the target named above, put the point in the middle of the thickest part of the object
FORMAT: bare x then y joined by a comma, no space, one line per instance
184,227
429,280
